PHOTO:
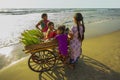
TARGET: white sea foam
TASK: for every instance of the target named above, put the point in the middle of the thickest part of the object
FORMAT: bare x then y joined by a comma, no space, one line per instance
15,21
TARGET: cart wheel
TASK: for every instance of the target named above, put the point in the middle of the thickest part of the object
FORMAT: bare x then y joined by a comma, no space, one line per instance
42,61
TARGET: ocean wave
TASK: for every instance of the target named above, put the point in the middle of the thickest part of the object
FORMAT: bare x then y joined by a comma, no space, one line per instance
7,42
28,18
99,21
20,11
27,11
15,11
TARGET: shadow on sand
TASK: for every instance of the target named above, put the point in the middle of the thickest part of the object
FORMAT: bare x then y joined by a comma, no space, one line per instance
86,69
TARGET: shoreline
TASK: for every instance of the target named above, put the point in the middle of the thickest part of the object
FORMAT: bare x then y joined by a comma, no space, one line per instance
99,29
100,49
21,47
93,30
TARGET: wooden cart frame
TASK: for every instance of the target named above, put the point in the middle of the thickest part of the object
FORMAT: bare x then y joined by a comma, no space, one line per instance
43,57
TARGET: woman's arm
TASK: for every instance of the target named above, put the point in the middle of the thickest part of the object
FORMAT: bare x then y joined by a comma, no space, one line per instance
37,25
47,33
70,35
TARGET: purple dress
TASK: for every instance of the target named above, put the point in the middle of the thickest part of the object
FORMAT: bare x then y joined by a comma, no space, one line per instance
62,44
75,44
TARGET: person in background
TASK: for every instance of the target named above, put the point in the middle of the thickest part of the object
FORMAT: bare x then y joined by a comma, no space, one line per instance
76,36
43,23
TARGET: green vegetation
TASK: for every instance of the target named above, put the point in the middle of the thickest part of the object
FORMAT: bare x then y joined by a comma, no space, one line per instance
30,37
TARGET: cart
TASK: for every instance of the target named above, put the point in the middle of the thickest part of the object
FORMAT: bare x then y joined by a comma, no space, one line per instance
43,57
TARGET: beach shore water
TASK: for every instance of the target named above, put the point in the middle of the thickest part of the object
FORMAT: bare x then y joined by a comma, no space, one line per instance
101,50
100,61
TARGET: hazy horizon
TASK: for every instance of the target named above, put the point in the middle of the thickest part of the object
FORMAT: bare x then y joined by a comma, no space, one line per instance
59,4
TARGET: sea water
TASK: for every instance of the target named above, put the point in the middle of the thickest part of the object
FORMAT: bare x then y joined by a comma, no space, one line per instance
14,21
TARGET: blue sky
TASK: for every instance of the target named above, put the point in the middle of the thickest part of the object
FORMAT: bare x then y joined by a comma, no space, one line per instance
59,3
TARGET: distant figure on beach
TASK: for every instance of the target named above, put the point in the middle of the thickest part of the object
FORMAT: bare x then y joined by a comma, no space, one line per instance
62,39
51,32
76,36
43,23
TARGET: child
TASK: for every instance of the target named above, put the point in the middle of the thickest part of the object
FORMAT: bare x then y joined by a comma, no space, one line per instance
77,36
66,29
62,43
51,32
43,23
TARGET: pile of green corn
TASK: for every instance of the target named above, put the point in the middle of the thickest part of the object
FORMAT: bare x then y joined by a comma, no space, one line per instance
30,37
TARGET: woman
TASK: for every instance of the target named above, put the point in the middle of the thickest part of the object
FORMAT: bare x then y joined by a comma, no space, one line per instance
77,36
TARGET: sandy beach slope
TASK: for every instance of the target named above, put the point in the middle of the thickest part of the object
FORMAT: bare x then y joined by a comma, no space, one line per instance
100,62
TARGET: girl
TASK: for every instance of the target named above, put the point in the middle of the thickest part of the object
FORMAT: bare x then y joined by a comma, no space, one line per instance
61,37
77,36
66,29
51,32
43,23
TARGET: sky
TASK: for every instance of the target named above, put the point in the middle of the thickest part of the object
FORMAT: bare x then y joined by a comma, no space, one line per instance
59,3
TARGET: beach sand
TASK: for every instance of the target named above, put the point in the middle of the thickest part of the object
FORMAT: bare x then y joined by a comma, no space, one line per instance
100,61
100,28
105,49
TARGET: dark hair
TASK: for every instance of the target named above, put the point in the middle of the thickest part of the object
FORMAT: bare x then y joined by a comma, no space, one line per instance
62,28
78,17
50,23
43,15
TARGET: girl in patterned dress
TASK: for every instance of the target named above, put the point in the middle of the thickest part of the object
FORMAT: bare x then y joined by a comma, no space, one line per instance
77,36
